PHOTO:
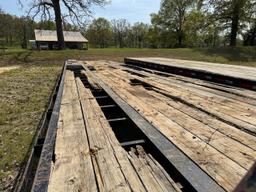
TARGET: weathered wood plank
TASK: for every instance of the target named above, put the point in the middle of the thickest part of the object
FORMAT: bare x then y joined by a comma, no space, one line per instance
73,161
240,95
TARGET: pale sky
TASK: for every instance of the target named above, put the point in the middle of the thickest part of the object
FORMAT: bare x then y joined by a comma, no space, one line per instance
132,10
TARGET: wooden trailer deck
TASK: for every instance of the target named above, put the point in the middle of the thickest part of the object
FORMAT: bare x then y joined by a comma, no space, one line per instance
88,155
212,125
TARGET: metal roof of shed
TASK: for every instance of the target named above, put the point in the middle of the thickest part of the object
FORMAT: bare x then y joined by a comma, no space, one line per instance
50,35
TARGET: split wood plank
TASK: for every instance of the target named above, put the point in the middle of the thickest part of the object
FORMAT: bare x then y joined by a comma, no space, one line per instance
177,114
229,103
91,81
205,87
150,172
229,89
246,94
156,169
155,100
237,99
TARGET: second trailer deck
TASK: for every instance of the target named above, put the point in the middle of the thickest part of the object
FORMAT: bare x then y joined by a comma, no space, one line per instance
240,76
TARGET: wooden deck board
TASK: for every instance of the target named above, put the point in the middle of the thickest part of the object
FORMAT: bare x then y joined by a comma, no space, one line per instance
213,125
205,88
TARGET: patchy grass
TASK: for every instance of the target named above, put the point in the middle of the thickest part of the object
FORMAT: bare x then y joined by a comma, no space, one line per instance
24,92
23,97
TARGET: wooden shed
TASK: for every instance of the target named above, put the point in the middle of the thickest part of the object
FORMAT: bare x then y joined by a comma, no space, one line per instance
47,39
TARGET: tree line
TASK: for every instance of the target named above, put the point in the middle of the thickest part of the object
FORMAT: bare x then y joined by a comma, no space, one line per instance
17,31
183,23
205,22
178,23
118,32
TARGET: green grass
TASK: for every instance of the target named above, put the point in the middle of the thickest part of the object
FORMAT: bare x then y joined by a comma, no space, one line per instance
238,56
24,92
23,97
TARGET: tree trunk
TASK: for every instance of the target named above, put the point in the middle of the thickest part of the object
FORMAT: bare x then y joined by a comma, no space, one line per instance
24,43
58,21
180,39
120,40
253,36
234,30
235,21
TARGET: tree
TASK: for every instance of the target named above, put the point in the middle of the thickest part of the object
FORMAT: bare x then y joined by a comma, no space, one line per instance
233,14
120,30
140,31
75,9
99,33
14,29
158,32
200,30
173,15
250,33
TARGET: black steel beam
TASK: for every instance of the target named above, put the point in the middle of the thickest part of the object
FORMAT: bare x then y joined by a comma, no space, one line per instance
107,106
117,119
194,175
135,142
101,97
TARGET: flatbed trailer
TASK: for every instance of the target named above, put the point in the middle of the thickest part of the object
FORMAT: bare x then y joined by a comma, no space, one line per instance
126,127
